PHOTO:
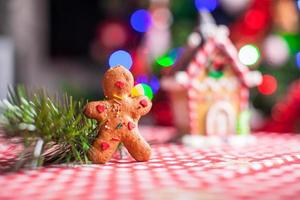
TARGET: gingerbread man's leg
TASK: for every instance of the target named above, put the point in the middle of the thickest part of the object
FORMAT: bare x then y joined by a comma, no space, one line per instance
103,148
136,145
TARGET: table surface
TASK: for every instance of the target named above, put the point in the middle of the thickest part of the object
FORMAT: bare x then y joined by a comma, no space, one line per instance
269,169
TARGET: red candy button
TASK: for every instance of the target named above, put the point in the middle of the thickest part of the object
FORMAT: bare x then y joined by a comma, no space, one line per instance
100,108
144,103
119,84
104,146
131,126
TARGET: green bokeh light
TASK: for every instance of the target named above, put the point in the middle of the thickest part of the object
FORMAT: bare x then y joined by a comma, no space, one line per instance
165,61
147,90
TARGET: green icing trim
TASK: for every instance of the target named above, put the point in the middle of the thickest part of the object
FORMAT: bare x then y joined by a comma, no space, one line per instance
215,74
119,126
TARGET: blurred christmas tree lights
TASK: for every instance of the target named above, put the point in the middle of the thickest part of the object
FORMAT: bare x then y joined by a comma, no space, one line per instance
265,32
268,85
298,59
142,89
249,54
209,5
120,57
141,20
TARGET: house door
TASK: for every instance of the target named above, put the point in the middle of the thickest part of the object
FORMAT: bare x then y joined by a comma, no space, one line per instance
220,119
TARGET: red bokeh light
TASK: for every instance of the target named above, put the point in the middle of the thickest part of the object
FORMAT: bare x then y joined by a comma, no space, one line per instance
268,85
255,19
112,35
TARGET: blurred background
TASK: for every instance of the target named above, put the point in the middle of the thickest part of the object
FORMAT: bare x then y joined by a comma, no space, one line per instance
66,46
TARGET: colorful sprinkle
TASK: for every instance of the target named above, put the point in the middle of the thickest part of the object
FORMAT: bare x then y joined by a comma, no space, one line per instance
118,97
119,126
100,108
130,126
104,146
144,103
118,102
115,139
119,84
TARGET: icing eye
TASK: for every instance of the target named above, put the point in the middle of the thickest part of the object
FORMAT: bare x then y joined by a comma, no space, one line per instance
125,76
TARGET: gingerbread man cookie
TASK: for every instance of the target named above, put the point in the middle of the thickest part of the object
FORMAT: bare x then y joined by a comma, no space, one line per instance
118,118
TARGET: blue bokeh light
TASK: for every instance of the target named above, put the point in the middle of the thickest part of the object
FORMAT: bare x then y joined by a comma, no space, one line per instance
176,53
209,5
140,20
120,57
141,79
298,59
154,84
298,4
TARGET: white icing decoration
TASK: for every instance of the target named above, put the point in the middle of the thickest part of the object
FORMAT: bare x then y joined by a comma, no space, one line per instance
199,86
200,57
222,33
220,119
182,77
194,39
252,78
212,83
193,68
231,84
215,85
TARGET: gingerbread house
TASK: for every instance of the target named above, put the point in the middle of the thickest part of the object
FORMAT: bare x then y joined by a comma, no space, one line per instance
209,89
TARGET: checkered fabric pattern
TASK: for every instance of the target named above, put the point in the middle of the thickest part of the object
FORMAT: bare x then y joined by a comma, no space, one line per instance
269,169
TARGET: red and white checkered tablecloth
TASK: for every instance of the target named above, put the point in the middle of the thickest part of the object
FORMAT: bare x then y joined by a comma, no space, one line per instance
268,170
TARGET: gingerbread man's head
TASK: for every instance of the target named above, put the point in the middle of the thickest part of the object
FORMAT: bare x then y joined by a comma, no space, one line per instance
117,82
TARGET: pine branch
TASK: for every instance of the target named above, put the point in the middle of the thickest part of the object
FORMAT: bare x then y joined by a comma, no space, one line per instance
66,133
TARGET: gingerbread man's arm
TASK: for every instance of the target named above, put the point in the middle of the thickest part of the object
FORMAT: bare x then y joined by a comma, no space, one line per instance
142,105
96,110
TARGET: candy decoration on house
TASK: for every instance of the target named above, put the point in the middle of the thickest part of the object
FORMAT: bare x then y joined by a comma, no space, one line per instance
118,118
209,86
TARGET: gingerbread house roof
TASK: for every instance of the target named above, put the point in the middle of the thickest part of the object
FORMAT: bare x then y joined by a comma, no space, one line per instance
201,44
248,78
